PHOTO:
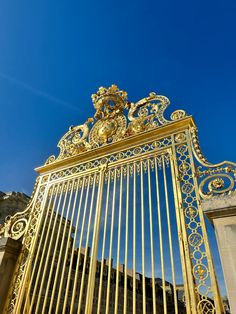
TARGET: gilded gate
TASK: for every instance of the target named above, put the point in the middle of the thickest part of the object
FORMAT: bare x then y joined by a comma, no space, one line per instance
115,222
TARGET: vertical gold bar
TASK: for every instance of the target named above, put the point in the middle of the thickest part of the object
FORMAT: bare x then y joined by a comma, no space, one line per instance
73,247
143,240
94,252
134,240
51,223
104,243
86,250
160,237
60,243
151,240
169,235
80,244
31,273
126,239
111,242
181,230
118,242
63,272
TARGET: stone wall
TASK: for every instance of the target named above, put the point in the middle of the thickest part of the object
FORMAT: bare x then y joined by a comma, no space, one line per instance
12,202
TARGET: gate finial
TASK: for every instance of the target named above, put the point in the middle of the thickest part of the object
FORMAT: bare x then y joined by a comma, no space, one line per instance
109,101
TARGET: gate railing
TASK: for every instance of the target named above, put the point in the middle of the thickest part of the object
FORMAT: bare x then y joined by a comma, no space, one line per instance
150,166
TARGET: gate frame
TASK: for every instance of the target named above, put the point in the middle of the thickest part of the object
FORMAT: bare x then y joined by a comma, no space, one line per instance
182,131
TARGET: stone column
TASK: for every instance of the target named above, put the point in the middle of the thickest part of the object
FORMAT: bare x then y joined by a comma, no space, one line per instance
221,211
9,252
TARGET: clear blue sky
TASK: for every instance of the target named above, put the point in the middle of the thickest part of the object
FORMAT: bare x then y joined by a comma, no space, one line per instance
55,54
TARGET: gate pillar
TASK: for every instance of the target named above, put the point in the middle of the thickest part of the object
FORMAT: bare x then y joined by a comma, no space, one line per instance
221,211
9,252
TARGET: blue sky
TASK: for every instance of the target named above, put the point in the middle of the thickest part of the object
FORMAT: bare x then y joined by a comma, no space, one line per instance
55,54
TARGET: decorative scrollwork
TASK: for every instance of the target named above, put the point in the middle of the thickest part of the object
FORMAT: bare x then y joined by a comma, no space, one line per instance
147,113
213,179
216,184
16,225
75,140
110,121
50,159
206,307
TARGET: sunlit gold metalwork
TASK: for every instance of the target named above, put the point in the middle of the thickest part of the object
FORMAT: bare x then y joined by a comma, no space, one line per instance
111,241
127,142
160,237
151,239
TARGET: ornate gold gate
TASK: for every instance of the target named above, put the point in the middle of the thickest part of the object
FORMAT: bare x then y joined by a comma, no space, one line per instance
115,223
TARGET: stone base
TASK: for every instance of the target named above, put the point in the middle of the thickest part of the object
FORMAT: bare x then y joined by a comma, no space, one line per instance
9,252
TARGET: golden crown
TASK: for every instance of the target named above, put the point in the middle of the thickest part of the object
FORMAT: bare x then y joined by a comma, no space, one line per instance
108,100
111,92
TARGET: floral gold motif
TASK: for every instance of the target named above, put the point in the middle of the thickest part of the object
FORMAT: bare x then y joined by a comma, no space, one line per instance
180,137
218,183
201,271
178,114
